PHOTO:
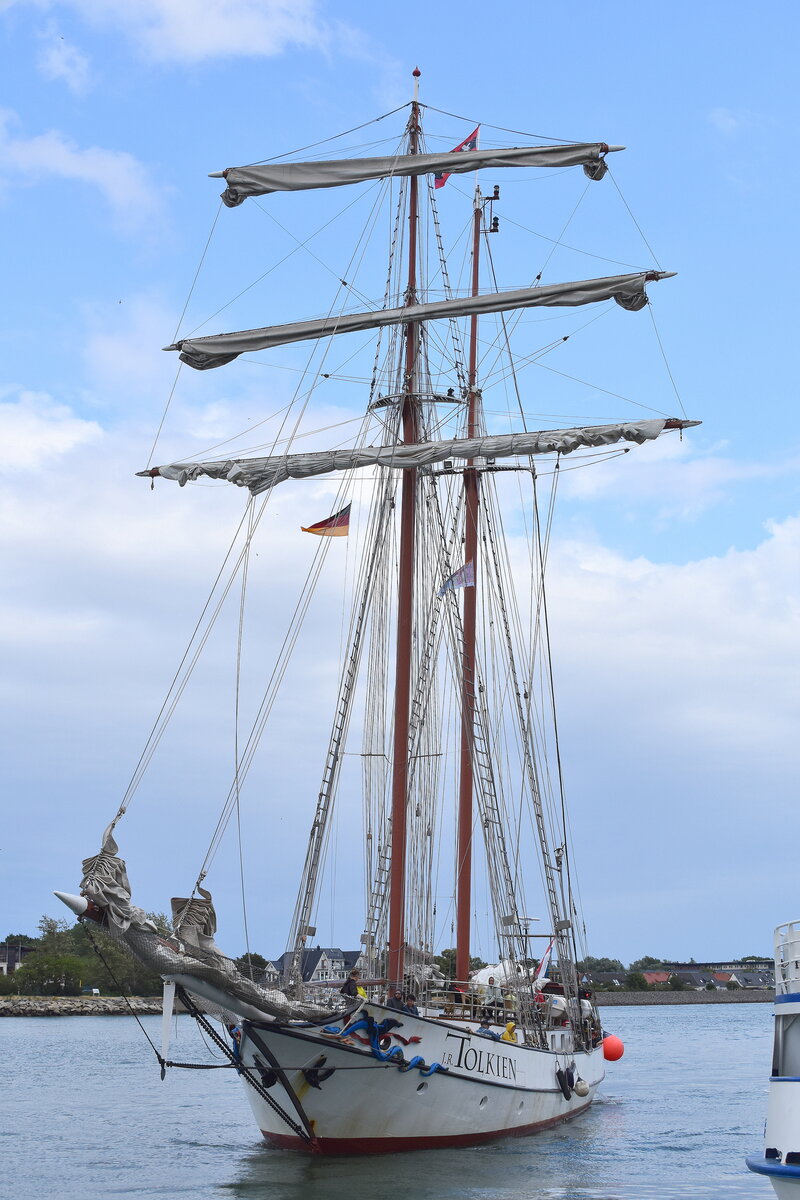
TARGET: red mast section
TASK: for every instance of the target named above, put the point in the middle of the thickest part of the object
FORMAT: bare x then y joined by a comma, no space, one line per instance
466,781
405,601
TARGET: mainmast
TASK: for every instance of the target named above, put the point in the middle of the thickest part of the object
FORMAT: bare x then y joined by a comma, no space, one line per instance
466,782
405,601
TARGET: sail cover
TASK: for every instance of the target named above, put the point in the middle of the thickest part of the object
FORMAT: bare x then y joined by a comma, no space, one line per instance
259,474
220,348
263,178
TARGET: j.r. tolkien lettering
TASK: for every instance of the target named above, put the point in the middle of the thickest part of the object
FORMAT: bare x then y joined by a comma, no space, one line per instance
484,1062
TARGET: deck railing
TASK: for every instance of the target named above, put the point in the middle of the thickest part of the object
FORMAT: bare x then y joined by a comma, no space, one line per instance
787,958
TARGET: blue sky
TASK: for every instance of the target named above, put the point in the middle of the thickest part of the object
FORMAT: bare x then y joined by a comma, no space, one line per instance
675,572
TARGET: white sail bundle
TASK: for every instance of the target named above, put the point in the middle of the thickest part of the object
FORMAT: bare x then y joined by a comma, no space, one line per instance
190,955
260,179
215,350
260,474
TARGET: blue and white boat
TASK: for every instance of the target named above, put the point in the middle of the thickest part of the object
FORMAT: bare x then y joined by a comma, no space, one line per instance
781,1158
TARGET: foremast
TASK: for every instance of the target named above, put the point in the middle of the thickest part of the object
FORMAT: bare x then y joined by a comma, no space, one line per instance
405,594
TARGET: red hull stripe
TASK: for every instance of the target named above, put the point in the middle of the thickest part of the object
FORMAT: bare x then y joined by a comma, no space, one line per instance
388,1145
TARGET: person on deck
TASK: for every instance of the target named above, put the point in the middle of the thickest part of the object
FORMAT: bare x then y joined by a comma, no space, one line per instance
493,998
509,1034
411,1005
395,999
351,987
485,1030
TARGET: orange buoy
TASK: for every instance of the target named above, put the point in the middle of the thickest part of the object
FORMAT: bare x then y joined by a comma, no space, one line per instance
613,1047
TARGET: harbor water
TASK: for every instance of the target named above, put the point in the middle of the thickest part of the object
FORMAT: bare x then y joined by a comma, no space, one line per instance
83,1113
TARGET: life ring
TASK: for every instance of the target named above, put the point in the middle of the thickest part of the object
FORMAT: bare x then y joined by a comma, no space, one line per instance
561,1077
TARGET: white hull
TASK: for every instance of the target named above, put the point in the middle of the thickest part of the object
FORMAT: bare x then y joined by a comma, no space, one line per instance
782,1129
490,1089
781,1159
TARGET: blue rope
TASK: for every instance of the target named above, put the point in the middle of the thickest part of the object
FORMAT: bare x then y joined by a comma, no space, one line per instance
376,1032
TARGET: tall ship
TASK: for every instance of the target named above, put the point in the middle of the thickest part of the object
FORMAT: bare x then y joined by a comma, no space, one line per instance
446,690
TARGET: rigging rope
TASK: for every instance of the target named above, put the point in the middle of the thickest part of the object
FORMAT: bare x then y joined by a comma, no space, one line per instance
501,128
333,137
237,683
666,361
633,218
177,327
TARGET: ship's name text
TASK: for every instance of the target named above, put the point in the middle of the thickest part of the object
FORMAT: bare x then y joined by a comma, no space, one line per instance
485,1062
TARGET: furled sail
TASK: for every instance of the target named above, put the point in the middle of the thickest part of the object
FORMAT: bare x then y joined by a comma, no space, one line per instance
263,178
190,954
217,349
259,474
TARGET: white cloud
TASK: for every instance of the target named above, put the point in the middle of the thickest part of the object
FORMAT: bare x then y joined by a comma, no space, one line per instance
695,652
672,677
183,30
694,477
727,122
61,60
35,430
121,178
123,350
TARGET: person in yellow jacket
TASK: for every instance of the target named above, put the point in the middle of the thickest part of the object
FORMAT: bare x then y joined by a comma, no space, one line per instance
509,1034
352,987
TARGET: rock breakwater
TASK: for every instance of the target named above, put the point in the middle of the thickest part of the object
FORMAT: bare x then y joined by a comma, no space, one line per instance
79,1006
740,996
119,1006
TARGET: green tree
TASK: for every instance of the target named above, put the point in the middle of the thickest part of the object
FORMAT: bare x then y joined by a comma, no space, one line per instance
55,935
446,962
599,964
646,963
636,982
256,962
676,984
162,923
46,973
732,985
109,967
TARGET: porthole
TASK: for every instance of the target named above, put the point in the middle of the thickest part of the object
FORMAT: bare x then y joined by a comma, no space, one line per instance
484,1102
422,1087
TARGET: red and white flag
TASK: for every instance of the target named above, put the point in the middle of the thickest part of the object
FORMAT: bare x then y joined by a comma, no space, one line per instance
545,963
469,143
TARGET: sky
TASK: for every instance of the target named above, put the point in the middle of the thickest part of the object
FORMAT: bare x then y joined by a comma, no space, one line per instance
674,571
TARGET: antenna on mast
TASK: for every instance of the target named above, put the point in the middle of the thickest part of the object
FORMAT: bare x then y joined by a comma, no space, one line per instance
416,73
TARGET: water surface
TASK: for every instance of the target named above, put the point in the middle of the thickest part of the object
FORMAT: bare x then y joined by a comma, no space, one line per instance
84,1114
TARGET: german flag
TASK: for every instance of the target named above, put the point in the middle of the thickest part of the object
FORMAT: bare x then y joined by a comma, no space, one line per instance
336,526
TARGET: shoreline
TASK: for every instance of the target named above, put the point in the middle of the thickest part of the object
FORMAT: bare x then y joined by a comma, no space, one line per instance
119,1006
740,996
82,1006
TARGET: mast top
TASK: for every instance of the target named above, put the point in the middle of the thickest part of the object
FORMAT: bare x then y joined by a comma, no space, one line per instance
416,73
